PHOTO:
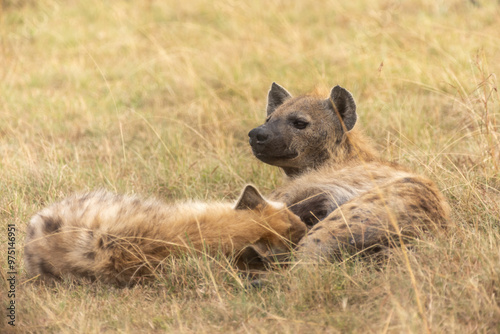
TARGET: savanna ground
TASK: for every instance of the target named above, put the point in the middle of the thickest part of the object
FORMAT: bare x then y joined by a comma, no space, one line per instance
157,98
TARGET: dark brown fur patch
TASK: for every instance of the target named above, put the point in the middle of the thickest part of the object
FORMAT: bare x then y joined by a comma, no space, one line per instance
334,218
46,269
29,257
413,180
426,206
31,233
52,224
83,199
90,255
107,241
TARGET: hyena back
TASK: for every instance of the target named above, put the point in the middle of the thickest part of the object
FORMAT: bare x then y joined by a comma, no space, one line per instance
336,181
120,239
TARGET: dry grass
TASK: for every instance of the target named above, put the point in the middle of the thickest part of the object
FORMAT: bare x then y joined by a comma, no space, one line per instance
157,98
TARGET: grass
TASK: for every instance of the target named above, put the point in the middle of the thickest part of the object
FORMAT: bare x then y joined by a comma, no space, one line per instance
157,98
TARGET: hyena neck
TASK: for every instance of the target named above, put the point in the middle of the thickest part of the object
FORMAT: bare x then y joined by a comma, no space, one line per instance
352,149
321,158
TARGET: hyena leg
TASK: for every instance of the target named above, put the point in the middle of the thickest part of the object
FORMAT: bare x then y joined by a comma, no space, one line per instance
313,208
377,219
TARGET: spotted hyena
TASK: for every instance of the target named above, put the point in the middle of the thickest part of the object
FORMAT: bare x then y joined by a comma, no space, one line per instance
336,182
120,239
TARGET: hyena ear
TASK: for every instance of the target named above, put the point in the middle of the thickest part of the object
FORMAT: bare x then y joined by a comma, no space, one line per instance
342,103
250,198
253,257
276,96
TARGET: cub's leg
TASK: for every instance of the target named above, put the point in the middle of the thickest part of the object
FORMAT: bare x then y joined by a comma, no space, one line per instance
376,219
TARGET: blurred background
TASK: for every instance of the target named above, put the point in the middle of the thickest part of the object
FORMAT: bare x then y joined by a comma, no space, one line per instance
157,97
161,94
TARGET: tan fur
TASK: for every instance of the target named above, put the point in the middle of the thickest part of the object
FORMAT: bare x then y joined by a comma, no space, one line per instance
336,181
118,239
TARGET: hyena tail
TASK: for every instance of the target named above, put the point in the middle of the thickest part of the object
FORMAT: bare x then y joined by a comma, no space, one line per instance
53,249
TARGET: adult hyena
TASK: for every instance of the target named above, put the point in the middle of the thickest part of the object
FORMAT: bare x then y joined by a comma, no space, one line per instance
119,239
336,182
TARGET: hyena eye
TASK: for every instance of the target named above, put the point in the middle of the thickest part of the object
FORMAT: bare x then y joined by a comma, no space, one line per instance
298,124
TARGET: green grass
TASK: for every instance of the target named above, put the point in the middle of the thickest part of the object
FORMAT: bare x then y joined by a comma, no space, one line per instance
157,98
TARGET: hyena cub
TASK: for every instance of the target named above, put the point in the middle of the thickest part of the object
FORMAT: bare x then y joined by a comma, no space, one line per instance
120,239
336,183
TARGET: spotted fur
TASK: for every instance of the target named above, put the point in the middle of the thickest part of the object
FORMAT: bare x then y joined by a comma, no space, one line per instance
120,239
336,182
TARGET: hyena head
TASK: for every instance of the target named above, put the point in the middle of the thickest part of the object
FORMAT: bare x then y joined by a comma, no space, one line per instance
279,230
301,132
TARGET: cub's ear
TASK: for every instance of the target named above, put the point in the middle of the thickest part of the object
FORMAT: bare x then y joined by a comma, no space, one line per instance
342,103
253,257
249,199
276,96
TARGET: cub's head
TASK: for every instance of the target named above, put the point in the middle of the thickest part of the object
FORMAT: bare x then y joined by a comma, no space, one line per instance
278,231
301,132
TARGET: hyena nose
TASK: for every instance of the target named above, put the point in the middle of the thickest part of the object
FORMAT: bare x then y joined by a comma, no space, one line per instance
258,136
